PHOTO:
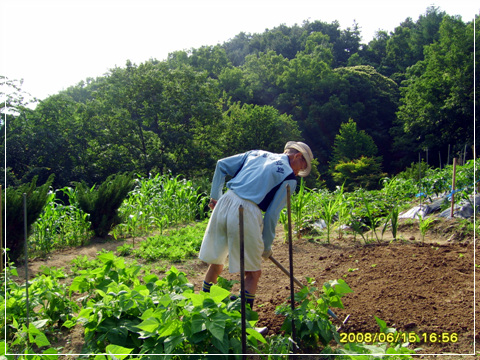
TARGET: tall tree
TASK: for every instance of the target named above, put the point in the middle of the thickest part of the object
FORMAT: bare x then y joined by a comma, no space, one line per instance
261,73
436,105
355,162
372,101
248,127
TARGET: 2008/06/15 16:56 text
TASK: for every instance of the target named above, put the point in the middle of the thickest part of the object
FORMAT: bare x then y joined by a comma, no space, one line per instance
396,337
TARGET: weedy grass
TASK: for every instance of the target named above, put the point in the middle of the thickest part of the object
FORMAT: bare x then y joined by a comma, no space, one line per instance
175,245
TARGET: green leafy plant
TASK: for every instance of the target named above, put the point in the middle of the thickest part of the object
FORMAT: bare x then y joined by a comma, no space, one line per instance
312,322
165,316
330,205
176,245
102,203
300,201
424,224
59,225
36,198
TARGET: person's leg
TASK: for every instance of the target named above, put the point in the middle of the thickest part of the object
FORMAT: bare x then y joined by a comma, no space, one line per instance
214,270
251,280
251,284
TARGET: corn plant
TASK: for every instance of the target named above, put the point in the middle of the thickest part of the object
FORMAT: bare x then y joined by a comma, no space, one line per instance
329,206
424,224
158,202
60,225
299,203
372,219
394,220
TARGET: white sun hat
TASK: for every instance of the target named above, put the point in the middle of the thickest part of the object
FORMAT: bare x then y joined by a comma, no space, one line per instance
306,152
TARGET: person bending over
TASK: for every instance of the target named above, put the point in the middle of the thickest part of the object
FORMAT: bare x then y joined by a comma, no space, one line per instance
259,182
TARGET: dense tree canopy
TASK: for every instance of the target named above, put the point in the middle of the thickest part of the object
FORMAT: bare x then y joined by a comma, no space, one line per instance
408,90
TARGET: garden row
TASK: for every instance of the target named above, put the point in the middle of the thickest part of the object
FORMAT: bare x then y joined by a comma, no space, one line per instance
124,309
127,207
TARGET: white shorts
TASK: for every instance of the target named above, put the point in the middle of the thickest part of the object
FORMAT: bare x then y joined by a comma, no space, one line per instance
222,236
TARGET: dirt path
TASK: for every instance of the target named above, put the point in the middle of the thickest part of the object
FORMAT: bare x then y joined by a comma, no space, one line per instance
426,288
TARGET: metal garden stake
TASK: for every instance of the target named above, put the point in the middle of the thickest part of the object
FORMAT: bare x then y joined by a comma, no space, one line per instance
290,254
242,281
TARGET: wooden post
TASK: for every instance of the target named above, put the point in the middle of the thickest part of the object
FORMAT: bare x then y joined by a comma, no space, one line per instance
242,282
453,187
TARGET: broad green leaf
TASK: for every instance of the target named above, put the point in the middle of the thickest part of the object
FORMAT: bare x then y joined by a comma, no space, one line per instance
198,323
218,294
221,344
117,352
50,354
342,288
171,342
197,299
40,323
149,325
217,329
105,257
150,278
169,328
37,337
165,300
216,325
256,335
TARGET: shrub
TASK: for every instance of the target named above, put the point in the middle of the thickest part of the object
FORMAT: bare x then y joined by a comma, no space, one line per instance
102,203
15,226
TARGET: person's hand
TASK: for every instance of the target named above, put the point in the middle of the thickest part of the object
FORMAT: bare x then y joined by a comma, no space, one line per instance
267,253
212,203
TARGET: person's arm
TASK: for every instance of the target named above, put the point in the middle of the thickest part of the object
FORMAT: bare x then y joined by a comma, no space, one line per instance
226,166
272,214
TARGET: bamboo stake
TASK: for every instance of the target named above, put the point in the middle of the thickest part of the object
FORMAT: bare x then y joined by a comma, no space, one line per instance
453,187
242,282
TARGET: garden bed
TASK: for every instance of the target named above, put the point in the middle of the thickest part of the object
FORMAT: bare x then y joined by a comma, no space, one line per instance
427,288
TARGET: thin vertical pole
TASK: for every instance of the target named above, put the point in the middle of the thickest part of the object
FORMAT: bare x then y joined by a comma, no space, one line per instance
453,186
242,281
420,177
448,157
290,254
26,254
1,230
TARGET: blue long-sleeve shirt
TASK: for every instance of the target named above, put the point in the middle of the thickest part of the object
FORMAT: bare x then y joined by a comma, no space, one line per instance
261,177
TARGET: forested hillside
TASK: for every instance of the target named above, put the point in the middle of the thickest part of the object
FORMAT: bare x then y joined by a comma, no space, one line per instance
411,91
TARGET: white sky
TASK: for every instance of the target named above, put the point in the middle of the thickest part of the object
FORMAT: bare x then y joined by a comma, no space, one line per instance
54,44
